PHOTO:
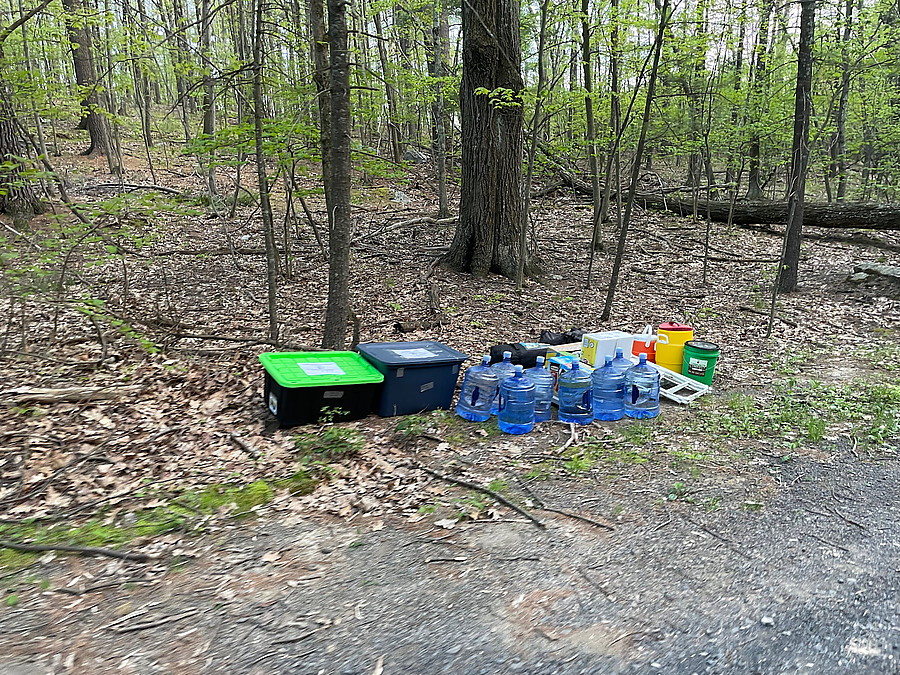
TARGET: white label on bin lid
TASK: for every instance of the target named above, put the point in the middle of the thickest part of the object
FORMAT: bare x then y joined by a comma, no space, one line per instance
326,368
417,353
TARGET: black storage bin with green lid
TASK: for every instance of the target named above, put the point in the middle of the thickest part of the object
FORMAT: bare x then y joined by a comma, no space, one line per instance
300,385
418,376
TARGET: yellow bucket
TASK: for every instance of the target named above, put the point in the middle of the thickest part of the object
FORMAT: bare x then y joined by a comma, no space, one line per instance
670,344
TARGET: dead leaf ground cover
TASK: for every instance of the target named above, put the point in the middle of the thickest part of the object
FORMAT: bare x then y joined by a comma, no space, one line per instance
166,307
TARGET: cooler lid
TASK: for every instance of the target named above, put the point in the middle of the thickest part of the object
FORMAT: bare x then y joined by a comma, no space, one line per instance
674,326
420,353
319,369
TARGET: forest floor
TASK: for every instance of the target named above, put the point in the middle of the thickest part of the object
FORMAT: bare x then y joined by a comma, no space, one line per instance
754,531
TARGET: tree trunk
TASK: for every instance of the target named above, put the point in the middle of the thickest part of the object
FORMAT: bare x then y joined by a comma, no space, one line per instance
636,163
839,141
265,205
590,134
338,308
758,93
17,197
490,214
320,77
209,94
438,128
391,95
86,76
790,258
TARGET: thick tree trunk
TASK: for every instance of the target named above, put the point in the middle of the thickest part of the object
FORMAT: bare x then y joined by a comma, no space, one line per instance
338,308
86,76
17,197
491,203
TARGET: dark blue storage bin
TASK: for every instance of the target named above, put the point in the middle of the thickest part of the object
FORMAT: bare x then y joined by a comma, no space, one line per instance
417,375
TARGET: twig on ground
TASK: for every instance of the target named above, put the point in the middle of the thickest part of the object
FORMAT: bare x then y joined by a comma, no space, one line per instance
484,490
81,550
744,308
158,622
828,543
245,446
622,637
296,638
726,541
576,516
846,519
573,437
98,587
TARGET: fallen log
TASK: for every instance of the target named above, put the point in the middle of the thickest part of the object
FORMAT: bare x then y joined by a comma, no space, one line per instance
855,215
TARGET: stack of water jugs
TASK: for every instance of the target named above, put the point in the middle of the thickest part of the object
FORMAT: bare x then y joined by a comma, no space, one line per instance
520,398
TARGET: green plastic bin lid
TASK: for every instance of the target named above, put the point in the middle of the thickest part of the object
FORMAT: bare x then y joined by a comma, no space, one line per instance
319,369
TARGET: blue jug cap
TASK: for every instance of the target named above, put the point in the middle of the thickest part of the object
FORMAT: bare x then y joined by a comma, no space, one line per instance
507,355
519,370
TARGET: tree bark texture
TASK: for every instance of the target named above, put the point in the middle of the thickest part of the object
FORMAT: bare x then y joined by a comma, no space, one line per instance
323,94
491,204
17,197
790,259
338,308
86,75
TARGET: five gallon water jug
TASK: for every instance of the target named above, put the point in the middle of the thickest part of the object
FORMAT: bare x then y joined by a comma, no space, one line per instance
642,390
575,396
543,393
502,370
607,392
516,414
620,363
478,392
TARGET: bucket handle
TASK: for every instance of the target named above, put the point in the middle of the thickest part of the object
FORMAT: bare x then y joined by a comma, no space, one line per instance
662,338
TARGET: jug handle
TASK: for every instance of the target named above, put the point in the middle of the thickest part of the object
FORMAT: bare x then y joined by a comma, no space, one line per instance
662,339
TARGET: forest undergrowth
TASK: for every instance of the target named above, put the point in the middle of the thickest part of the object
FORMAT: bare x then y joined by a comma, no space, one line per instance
131,391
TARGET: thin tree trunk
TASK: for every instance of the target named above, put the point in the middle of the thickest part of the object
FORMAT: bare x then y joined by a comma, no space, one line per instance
437,109
636,163
265,205
320,77
758,88
390,93
790,258
537,122
590,135
338,308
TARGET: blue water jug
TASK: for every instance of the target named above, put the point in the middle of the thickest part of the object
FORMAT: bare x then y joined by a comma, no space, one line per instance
478,392
620,363
575,396
502,369
608,392
642,390
516,414
543,392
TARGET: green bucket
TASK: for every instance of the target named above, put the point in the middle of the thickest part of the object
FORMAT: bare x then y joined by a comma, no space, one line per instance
699,361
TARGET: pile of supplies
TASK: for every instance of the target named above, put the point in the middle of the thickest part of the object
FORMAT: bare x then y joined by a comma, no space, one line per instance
607,376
